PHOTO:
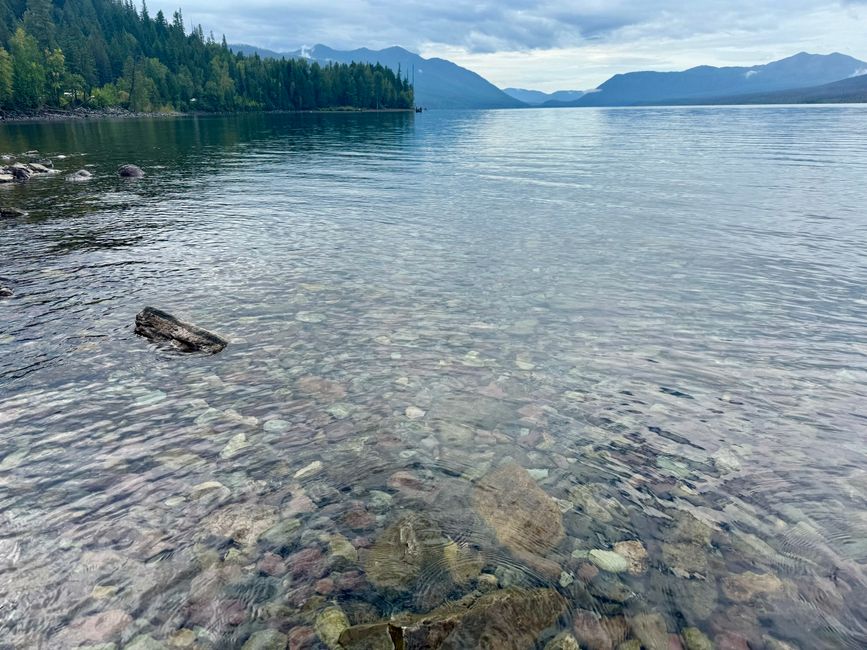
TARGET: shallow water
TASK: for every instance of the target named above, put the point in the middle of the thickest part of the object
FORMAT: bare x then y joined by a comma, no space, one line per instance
659,312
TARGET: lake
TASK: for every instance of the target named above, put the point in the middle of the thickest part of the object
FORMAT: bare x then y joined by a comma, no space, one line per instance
601,372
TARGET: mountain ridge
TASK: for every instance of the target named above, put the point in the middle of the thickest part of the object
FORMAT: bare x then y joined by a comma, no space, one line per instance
438,83
851,90
443,84
537,97
802,70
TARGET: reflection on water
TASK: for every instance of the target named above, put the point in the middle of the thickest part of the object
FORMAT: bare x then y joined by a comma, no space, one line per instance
598,372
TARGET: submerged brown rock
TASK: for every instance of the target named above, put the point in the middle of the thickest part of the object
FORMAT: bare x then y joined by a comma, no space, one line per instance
522,515
510,619
402,551
158,325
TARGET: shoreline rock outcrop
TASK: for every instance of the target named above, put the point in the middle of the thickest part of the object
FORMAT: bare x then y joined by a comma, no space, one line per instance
19,171
159,326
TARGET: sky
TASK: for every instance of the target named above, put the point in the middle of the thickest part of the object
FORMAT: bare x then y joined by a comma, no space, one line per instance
547,45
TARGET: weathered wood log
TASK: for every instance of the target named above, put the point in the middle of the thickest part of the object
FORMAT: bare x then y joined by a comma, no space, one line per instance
11,213
157,325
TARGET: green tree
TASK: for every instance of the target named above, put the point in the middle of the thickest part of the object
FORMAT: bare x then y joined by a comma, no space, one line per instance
55,75
28,71
39,22
6,77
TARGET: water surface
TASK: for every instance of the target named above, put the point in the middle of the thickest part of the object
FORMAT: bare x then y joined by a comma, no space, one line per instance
660,313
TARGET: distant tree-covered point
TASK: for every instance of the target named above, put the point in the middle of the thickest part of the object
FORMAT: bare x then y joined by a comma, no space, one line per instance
67,54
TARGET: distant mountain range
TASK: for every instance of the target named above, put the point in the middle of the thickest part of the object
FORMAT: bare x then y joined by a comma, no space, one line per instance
537,97
847,91
707,84
802,78
438,83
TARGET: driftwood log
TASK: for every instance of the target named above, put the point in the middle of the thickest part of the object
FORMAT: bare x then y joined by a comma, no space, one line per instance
157,325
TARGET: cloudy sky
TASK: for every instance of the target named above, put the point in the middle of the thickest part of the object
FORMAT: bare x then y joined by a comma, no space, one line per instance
550,44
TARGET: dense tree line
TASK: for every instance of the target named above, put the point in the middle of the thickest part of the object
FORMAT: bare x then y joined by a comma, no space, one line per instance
107,53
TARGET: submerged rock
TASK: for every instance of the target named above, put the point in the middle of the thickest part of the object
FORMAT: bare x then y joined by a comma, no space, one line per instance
144,642
402,551
695,639
266,640
510,619
236,444
597,632
635,554
522,515
330,624
96,628
563,641
80,175
464,564
686,559
651,630
241,522
747,586
609,561
130,171
157,325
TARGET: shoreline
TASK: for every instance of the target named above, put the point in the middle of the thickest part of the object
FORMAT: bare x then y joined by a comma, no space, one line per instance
90,114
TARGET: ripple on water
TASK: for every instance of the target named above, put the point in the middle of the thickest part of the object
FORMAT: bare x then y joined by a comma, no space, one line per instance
649,332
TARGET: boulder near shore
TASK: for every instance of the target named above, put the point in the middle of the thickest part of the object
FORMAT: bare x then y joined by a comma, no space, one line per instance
160,326
130,171
19,171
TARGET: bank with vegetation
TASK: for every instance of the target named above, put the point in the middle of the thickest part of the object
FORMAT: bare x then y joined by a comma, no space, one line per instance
102,54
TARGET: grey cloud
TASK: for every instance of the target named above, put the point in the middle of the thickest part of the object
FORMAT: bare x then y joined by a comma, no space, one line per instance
479,26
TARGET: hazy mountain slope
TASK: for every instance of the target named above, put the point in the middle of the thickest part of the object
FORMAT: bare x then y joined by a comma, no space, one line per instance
537,97
852,90
800,71
438,83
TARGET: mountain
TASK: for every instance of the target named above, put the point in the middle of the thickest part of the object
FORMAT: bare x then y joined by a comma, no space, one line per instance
537,97
250,50
438,83
847,91
800,71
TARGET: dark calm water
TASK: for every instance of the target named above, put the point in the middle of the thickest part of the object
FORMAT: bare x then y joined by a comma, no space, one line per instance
659,313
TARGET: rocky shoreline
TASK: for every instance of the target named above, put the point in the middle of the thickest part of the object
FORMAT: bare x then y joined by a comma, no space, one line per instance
55,115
